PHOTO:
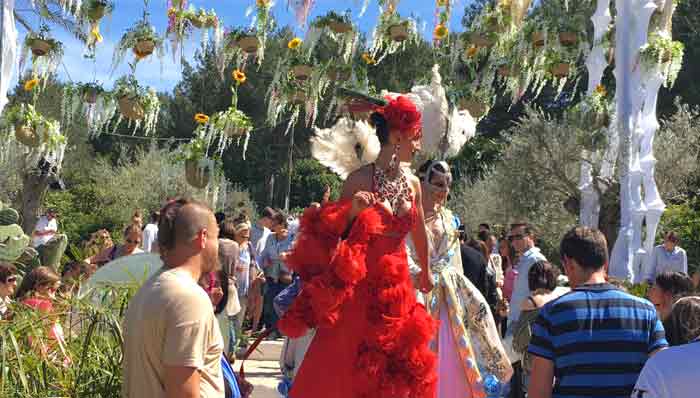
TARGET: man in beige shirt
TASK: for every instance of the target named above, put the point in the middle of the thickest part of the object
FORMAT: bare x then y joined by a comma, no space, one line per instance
172,342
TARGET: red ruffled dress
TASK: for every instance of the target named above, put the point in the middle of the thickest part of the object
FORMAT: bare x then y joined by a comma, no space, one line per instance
372,337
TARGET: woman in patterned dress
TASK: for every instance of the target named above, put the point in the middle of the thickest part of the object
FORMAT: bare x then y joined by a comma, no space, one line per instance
468,339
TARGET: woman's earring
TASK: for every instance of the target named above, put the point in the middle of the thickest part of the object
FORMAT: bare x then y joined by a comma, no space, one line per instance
394,164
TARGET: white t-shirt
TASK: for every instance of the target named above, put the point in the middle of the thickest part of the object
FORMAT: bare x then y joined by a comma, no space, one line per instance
43,225
670,374
150,235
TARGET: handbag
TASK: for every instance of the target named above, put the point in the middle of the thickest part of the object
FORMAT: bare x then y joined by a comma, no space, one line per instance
233,305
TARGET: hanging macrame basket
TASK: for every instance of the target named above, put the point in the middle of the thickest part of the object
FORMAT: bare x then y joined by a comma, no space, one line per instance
27,135
475,108
144,48
90,96
537,39
561,70
249,44
195,175
236,132
302,72
131,108
339,27
568,38
480,40
398,33
97,12
40,47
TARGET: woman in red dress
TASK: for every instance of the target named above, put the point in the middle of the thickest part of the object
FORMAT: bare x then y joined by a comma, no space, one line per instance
372,338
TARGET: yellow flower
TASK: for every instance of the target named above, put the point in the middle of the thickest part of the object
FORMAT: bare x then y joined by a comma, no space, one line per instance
262,3
201,118
441,32
95,33
30,84
442,3
294,43
471,51
368,59
600,89
239,76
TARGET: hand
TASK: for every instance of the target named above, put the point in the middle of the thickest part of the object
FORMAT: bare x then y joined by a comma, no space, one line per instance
362,200
216,295
425,278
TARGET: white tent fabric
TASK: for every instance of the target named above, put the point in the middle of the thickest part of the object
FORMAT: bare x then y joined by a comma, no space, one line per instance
8,61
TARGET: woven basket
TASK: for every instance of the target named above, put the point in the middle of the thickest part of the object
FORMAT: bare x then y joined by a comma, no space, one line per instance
537,39
475,108
568,38
302,72
27,136
249,44
339,27
398,33
97,13
40,47
131,108
144,48
196,176
561,70
90,96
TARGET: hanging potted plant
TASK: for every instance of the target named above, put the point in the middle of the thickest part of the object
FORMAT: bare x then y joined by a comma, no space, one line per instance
201,19
90,92
141,39
392,34
338,23
136,103
198,166
245,39
32,129
300,66
476,100
665,54
46,52
339,73
95,10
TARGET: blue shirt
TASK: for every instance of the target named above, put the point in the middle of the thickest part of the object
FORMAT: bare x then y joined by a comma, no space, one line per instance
521,289
661,260
598,338
271,262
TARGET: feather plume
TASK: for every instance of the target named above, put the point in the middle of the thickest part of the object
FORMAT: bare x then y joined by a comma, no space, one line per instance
337,147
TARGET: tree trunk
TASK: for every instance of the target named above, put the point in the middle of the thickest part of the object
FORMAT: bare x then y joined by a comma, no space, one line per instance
34,187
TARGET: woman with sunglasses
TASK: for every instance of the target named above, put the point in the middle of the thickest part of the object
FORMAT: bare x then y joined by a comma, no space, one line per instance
8,285
131,245
465,319
38,291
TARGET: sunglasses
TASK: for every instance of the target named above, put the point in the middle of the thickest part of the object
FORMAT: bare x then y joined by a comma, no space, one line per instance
515,237
133,242
11,279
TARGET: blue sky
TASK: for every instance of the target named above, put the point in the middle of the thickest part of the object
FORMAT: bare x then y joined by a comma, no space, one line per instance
233,13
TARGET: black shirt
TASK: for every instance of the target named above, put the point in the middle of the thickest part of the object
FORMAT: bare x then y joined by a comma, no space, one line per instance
476,270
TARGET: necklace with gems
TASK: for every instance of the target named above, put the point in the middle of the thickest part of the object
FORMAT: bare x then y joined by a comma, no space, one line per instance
393,190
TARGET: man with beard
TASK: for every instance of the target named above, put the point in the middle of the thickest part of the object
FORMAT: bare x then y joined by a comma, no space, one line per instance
172,342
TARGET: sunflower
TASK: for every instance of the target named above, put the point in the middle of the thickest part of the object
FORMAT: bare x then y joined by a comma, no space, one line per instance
471,51
442,3
201,118
30,84
95,34
262,3
440,32
600,89
239,76
294,43
369,60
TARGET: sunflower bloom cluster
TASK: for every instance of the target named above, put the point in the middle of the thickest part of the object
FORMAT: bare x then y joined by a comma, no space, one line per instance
201,118
441,31
471,51
294,43
29,85
601,90
239,76
369,60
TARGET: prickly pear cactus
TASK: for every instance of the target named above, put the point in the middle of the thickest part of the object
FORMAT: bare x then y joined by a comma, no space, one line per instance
13,241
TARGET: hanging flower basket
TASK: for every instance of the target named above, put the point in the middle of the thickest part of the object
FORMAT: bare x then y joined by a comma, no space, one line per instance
97,11
479,40
27,135
599,120
302,72
144,48
537,39
560,70
40,47
339,27
475,108
196,174
249,44
568,38
399,33
131,108
90,95
339,74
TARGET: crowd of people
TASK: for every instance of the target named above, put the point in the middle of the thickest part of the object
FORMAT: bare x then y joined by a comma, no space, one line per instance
382,293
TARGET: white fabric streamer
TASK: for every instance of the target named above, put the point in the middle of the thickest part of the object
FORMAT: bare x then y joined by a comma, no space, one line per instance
8,62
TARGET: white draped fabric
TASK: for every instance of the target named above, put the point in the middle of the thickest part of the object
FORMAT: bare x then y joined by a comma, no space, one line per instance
8,43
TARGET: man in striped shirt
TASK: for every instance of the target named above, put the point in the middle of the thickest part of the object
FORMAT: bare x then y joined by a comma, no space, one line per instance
593,341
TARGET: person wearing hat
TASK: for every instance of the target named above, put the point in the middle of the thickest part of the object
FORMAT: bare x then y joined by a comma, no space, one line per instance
47,241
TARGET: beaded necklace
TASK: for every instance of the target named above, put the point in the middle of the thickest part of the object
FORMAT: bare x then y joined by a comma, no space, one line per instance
394,190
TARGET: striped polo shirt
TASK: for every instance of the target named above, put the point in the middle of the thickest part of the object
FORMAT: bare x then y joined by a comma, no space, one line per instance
598,338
